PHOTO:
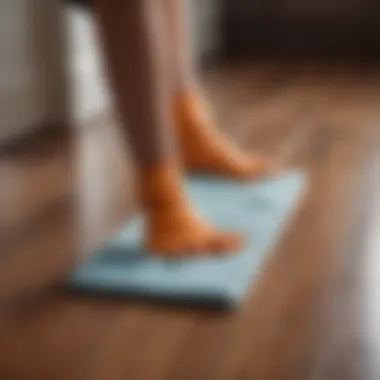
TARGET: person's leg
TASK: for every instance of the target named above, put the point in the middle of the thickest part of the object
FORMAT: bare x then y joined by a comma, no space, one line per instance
202,147
135,52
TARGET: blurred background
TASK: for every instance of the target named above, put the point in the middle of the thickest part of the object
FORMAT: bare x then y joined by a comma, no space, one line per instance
295,79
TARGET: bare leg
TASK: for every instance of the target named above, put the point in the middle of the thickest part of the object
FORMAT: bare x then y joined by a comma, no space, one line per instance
202,147
131,34
180,53
135,51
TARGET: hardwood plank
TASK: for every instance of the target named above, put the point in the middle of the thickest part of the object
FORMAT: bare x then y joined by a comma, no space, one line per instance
305,318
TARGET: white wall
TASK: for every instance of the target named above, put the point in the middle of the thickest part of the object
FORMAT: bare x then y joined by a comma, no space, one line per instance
32,80
89,95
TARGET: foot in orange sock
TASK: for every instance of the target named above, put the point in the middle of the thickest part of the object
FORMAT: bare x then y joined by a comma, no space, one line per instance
173,228
205,150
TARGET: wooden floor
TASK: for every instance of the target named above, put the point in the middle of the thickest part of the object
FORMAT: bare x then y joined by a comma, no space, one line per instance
313,315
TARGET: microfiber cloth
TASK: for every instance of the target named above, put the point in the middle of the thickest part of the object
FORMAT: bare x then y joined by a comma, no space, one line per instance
259,210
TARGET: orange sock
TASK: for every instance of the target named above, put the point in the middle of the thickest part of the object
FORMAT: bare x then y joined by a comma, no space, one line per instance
204,149
173,226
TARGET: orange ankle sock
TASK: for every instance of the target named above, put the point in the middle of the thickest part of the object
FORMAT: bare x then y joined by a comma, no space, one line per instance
173,226
160,187
204,149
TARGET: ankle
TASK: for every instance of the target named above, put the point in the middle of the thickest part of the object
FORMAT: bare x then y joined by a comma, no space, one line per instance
161,187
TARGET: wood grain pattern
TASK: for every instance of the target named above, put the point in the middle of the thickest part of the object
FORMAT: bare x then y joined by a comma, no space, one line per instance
311,316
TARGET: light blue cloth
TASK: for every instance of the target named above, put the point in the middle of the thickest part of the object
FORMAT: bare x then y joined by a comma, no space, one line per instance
258,210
